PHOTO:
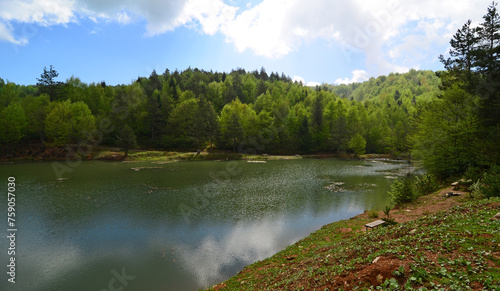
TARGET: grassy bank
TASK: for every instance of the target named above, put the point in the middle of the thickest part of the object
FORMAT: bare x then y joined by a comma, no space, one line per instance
165,156
455,249
34,153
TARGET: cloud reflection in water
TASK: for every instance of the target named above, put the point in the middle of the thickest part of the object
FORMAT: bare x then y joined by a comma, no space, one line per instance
245,243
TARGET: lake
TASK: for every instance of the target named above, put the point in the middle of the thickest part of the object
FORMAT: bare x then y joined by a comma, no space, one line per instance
175,226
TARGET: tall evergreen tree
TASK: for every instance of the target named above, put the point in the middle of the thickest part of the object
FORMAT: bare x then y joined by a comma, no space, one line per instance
304,135
489,37
447,134
48,85
126,138
204,127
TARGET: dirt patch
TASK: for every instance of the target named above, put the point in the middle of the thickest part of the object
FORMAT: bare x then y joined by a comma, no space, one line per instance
220,286
373,274
112,157
425,205
345,229
493,205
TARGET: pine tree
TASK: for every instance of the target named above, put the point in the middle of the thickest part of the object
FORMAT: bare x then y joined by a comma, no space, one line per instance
489,37
48,85
464,48
126,138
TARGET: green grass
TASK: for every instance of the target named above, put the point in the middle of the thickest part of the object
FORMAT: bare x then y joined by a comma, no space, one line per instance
151,155
373,214
457,249
163,156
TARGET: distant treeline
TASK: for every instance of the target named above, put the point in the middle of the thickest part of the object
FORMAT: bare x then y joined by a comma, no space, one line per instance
238,111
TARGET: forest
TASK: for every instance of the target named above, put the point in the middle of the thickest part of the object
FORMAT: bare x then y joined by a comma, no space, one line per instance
195,109
447,119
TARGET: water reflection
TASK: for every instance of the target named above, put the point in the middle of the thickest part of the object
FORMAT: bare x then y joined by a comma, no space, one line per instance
106,217
45,267
244,243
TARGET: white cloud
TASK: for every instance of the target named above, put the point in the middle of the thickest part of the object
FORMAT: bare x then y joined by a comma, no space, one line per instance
313,84
275,28
298,79
41,12
122,17
392,35
303,82
6,34
38,11
163,16
263,29
357,77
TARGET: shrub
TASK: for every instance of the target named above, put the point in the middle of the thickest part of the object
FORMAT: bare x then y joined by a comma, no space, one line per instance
490,185
373,214
473,173
387,210
389,221
475,190
426,184
403,190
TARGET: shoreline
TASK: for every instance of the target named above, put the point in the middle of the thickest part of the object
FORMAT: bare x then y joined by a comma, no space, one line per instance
335,256
114,154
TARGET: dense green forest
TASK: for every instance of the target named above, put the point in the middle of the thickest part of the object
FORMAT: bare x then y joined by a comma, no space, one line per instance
459,133
449,119
239,111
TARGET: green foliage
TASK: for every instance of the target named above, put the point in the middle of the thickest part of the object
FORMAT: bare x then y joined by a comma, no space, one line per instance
389,284
126,138
305,142
373,214
9,93
68,122
242,111
58,124
48,85
389,221
475,189
490,184
473,173
426,184
403,190
13,123
357,144
474,67
205,124
387,211
446,139
182,118
237,122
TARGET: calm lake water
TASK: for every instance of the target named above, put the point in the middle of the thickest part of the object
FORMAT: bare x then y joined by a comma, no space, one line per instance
177,226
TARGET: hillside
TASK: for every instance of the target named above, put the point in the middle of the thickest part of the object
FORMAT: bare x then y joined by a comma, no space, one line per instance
453,249
415,86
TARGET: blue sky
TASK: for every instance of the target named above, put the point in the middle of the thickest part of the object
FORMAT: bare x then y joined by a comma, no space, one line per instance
317,41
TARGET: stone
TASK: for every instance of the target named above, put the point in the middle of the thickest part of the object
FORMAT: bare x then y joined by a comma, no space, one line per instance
495,217
451,194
